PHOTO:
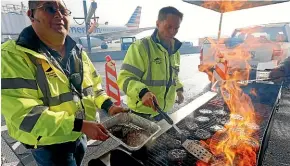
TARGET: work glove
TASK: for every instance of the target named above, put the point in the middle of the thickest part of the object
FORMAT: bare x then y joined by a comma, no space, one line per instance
180,97
94,130
147,100
116,109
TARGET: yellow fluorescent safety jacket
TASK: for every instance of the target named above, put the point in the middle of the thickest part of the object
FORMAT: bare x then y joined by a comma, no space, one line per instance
148,64
37,101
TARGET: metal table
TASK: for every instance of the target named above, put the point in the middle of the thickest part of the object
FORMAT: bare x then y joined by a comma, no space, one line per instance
265,103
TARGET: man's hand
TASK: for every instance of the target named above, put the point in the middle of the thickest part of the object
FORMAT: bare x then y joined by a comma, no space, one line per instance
180,97
94,130
116,109
147,100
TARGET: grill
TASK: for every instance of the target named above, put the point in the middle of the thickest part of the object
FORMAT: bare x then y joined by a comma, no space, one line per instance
264,103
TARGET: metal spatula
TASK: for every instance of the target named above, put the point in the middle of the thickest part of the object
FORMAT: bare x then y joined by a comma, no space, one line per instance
193,147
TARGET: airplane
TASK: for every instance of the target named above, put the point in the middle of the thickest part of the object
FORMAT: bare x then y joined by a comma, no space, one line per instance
107,33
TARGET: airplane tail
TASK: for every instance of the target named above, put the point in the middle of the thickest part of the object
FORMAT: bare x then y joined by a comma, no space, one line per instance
134,20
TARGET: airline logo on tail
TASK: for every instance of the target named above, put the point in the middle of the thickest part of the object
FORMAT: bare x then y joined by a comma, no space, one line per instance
134,20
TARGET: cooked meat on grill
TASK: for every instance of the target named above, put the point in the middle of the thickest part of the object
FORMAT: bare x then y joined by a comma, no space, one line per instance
177,155
254,143
222,120
191,125
216,128
238,130
202,134
173,143
201,119
220,112
185,133
205,111
253,126
220,136
237,117
137,137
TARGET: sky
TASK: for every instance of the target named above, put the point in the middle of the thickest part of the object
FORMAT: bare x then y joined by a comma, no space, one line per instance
197,22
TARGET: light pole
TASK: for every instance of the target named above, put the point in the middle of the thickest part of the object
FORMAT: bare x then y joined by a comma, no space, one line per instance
88,16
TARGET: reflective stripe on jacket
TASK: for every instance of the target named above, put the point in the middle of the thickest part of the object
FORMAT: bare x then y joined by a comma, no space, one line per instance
148,64
37,101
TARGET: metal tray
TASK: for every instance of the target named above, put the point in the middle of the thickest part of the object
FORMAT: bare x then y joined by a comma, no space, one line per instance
126,118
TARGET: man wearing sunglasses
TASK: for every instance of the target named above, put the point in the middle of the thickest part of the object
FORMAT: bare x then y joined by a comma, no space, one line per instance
51,90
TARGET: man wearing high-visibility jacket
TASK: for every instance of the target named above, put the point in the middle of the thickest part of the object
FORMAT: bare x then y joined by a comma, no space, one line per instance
51,90
150,69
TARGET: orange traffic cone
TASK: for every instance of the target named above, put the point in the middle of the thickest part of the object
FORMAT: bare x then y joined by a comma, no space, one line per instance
112,88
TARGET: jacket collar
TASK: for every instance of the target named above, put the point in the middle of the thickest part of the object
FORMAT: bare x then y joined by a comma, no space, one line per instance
29,39
155,38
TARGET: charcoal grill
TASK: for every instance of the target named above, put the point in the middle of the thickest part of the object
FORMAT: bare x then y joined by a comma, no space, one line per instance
264,103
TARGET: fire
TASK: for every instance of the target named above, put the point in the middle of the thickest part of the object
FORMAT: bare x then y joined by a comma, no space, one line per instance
236,147
238,144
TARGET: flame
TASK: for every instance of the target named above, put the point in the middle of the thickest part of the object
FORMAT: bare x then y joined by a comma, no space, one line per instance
238,144
236,147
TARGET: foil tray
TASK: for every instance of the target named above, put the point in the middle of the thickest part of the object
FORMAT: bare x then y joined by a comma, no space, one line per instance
127,118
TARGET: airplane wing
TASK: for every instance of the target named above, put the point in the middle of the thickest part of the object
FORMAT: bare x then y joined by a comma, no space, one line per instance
118,34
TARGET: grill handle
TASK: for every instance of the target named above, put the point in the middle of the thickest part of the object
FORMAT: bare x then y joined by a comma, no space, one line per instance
165,116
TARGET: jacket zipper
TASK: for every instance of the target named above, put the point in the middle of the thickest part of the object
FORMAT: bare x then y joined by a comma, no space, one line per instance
38,138
169,80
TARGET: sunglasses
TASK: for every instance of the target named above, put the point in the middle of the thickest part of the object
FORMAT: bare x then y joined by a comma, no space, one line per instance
52,10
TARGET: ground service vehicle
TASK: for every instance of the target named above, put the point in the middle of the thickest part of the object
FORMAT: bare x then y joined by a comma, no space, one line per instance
126,42
264,47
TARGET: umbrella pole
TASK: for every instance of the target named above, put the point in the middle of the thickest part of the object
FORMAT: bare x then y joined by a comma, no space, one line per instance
220,26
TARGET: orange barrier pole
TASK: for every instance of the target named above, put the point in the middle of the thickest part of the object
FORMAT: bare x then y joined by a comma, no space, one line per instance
112,88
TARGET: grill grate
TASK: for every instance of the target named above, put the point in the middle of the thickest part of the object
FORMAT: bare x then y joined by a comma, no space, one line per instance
158,150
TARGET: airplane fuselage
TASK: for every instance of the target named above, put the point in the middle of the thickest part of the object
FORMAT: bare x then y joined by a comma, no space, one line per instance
76,30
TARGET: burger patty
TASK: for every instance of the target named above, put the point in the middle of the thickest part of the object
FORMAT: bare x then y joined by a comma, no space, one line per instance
205,111
173,143
216,128
222,120
202,134
191,126
220,112
176,154
202,119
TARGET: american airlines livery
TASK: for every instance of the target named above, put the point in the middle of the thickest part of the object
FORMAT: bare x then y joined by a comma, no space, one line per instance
105,32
